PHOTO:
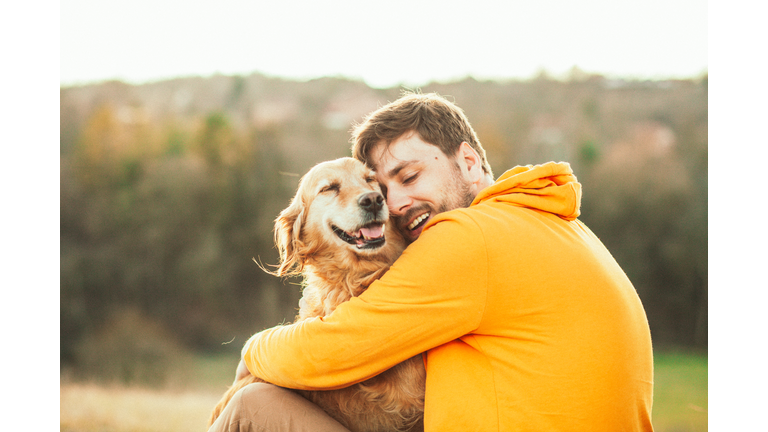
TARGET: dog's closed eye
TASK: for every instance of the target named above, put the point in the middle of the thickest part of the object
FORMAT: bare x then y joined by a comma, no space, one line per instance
333,187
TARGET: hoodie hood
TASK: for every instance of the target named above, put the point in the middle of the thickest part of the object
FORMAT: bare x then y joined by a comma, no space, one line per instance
550,187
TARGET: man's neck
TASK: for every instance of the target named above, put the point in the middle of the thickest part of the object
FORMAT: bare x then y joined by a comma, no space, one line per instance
486,181
483,183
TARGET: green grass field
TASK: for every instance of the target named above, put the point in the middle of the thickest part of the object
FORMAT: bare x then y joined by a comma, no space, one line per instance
680,392
680,399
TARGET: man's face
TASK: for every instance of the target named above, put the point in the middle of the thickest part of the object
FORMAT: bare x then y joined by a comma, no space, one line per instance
419,181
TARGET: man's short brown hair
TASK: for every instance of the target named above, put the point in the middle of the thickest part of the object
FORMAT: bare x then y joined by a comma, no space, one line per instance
436,120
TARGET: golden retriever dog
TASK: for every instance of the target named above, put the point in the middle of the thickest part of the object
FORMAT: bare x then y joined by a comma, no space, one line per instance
335,234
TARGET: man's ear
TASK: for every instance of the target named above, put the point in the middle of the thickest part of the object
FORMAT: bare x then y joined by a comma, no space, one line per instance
471,159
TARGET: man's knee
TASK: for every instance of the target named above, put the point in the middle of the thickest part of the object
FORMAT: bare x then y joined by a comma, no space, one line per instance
267,407
242,413
258,396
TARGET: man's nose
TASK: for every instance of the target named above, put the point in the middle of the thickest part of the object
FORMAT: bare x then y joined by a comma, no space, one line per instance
397,202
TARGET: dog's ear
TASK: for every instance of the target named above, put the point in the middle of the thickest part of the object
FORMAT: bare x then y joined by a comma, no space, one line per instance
287,230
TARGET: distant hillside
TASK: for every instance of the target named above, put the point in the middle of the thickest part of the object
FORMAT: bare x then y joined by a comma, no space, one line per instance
519,122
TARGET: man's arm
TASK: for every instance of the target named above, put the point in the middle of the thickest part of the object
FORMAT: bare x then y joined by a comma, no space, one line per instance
433,294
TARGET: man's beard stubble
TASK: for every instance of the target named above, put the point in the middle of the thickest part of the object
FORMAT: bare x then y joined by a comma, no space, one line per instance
456,195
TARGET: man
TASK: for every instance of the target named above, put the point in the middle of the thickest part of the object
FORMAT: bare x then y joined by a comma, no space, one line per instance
527,321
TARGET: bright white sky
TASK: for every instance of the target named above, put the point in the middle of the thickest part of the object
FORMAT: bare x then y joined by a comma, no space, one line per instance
384,43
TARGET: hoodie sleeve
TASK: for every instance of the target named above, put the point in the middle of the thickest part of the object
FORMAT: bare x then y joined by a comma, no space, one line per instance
436,292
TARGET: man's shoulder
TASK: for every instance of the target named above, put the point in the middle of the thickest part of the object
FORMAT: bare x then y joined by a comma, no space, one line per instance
488,222
462,218
483,213
472,222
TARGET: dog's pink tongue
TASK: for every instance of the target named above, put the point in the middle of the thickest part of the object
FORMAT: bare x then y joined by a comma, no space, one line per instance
373,232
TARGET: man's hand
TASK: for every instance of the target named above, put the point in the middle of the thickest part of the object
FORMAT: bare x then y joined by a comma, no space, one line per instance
242,371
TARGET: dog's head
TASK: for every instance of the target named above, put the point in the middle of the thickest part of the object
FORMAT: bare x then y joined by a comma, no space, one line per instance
338,211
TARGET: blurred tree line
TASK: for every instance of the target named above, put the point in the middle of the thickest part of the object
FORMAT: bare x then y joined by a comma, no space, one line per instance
169,191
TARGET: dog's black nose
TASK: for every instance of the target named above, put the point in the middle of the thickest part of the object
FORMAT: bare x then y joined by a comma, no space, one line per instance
371,201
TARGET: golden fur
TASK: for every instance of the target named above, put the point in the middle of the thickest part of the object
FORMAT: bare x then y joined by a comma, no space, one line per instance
334,197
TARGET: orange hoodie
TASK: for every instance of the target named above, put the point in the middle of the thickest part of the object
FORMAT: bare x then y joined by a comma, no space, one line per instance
527,321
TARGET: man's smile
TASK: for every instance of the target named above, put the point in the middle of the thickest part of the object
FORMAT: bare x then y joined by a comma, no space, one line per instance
417,221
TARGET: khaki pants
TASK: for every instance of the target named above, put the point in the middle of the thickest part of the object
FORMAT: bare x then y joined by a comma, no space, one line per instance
264,407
